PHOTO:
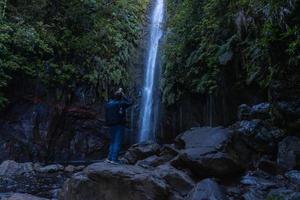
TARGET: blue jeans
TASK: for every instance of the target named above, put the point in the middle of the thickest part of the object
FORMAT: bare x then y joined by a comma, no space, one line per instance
116,135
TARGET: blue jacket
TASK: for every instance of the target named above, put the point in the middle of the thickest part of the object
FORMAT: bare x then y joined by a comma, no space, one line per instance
115,111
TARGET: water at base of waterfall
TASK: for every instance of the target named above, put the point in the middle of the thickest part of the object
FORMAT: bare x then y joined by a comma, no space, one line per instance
146,116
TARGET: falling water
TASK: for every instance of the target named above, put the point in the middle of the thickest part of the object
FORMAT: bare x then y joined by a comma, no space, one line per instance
147,122
210,110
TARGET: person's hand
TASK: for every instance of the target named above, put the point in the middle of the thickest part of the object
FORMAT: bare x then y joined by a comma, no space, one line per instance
120,90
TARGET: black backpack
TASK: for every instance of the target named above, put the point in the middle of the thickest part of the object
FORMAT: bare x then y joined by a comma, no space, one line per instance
114,113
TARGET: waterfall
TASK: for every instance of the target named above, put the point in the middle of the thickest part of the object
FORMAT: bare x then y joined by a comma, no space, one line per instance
147,118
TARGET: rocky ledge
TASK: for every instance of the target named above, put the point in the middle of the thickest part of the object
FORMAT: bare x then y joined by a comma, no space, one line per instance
251,160
45,181
161,176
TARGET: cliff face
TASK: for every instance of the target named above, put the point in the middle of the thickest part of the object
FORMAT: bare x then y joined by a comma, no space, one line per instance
220,54
59,67
43,131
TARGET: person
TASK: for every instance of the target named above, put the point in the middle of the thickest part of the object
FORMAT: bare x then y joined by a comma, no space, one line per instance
116,120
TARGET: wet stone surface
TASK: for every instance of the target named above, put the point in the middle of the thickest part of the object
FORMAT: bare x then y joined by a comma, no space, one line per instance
40,184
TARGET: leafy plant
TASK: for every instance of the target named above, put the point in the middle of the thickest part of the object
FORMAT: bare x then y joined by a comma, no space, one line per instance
70,42
206,37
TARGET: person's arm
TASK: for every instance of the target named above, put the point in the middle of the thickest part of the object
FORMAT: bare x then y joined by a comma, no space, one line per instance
126,102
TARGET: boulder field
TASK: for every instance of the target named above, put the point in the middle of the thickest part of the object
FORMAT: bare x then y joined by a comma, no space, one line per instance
251,160
202,164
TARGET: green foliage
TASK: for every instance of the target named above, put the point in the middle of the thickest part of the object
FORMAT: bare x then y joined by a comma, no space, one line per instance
205,37
68,42
2,8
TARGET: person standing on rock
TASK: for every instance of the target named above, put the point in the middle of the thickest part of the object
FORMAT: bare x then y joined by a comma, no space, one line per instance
116,120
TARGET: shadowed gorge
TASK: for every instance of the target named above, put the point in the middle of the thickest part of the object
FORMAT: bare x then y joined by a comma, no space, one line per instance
205,95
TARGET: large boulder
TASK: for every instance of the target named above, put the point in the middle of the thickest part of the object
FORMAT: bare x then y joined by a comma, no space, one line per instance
179,182
141,151
207,189
258,135
287,114
203,137
294,176
259,111
105,181
203,152
289,153
12,168
207,164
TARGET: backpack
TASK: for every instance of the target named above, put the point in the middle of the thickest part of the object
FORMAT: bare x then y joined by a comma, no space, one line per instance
114,113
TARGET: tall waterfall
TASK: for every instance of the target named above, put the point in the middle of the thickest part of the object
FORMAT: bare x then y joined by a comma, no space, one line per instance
147,124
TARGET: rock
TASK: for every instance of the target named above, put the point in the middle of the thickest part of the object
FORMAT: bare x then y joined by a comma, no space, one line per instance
168,151
287,113
259,111
50,168
70,169
175,196
293,176
153,161
41,132
260,136
140,151
203,137
244,112
54,193
79,168
254,194
257,184
289,153
233,192
40,184
105,181
267,165
258,180
284,194
12,168
179,182
207,189
205,164
19,196
203,154
36,166
284,95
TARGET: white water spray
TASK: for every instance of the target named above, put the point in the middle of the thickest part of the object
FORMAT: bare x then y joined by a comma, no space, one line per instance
147,122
